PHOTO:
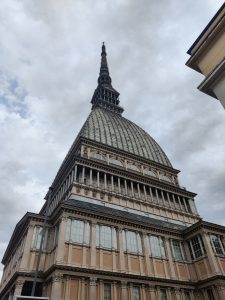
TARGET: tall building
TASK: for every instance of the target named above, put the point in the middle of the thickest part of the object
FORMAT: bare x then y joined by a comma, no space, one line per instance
207,56
119,225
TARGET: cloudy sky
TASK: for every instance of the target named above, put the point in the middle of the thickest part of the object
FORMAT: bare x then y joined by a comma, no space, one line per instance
50,55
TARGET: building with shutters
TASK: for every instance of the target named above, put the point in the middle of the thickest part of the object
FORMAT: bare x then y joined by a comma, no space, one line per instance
119,225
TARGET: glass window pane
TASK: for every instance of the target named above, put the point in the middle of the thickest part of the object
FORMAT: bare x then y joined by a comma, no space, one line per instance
107,291
157,246
197,246
216,241
177,252
68,229
78,231
163,294
136,293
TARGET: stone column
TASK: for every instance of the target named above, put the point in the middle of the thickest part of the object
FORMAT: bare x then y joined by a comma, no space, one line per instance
124,294
56,286
125,183
105,181
119,188
170,258
146,253
75,174
98,179
112,183
83,174
61,241
82,289
145,193
18,287
143,295
26,251
139,193
121,252
114,290
90,177
93,244
93,287
152,293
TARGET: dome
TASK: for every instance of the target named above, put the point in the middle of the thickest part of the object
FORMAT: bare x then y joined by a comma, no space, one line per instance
111,129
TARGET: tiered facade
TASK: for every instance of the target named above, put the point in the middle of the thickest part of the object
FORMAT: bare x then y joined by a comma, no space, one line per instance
120,227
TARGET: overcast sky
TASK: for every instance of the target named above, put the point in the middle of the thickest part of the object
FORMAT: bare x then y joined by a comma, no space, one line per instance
50,56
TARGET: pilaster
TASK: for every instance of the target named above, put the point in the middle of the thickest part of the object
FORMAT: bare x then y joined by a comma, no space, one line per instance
93,287
61,241
56,286
18,287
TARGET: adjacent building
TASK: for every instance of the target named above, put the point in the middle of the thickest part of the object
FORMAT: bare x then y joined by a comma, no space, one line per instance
119,224
207,56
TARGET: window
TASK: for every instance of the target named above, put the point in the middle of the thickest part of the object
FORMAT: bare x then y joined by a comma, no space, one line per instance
78,231
56,235
132,240
106,237
217,244
149,173
157,246
196,247
187,295
165,178
107,291
98,156
178,250
210,294
133,167
163,294
116,162
36,239
136,293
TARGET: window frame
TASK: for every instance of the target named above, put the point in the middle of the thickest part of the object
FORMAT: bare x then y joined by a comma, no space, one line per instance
138,241
71,235
113,236
215,248
181,249
161,250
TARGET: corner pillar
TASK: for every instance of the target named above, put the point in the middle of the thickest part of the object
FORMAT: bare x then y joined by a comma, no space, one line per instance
56,286
18,288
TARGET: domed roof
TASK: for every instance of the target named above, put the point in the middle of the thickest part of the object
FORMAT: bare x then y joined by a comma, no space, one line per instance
113,130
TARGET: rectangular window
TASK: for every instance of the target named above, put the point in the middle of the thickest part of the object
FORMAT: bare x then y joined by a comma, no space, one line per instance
36,239
163,294
107,291
136,293
196,247
157,246
178,250
106,237
78,231
132,241
217,244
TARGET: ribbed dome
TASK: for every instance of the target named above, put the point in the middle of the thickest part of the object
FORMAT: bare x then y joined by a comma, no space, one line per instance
116,131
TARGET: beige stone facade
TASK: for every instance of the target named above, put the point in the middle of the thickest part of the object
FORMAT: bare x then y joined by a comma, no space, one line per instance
119,225
207,56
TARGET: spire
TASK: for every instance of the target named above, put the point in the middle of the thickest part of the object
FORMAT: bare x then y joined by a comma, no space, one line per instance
104,77
105,95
